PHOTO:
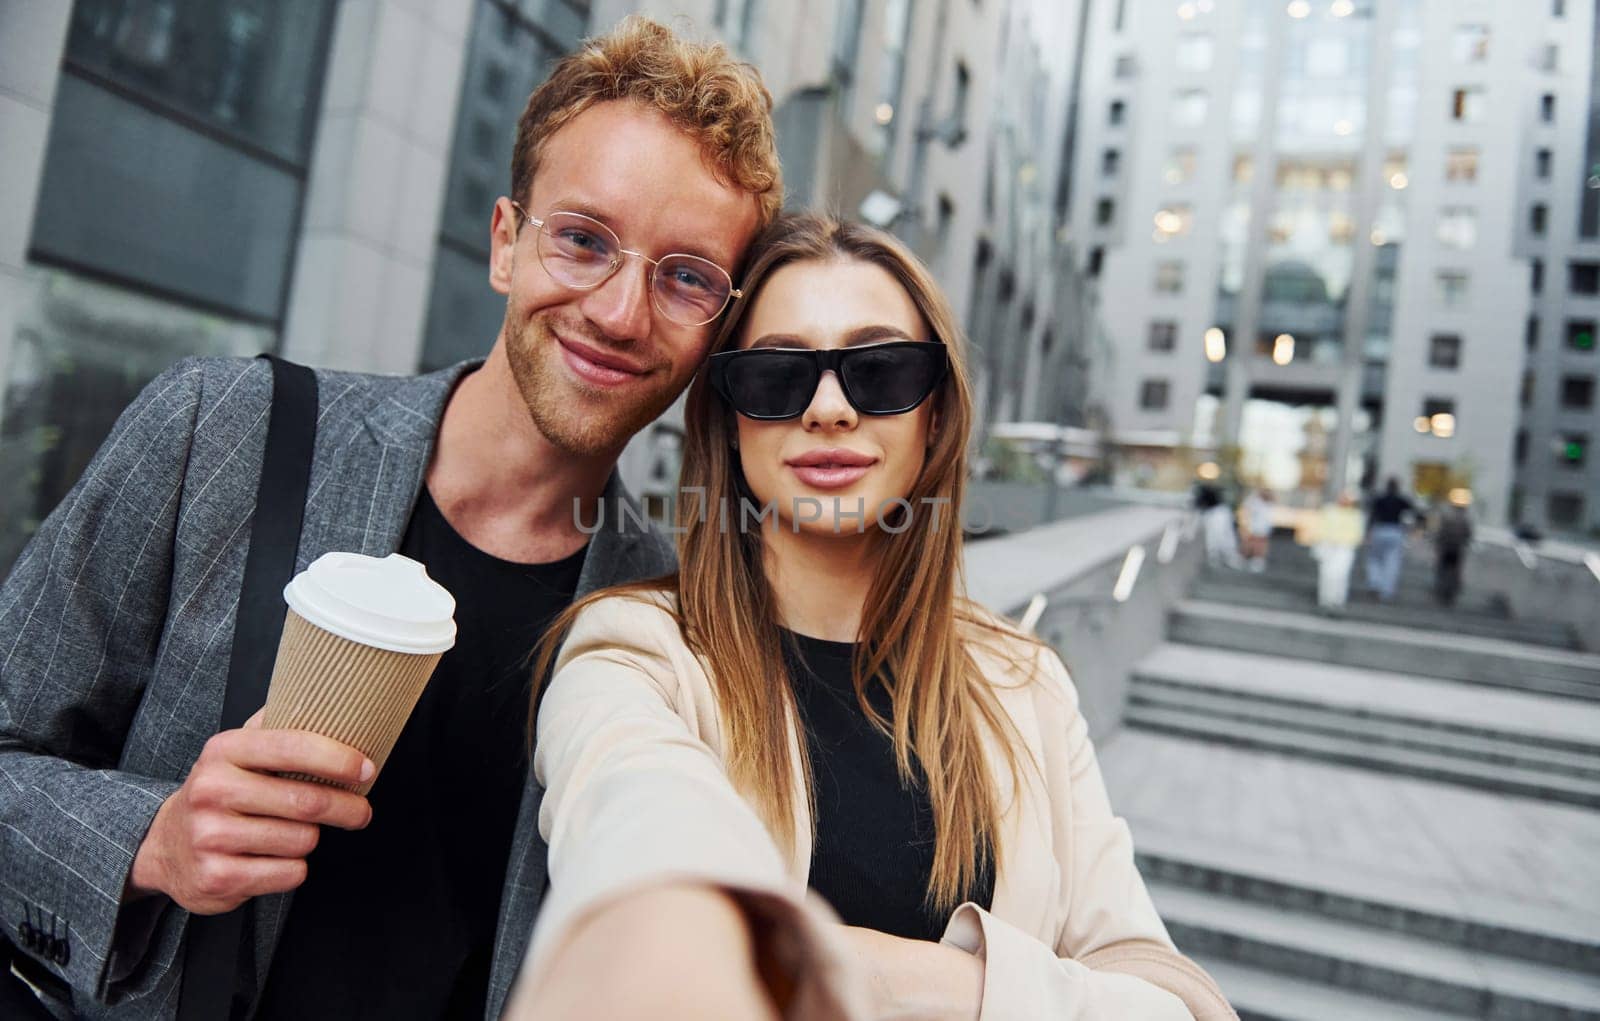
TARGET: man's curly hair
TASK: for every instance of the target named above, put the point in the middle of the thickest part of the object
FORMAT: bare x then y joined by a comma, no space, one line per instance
717,100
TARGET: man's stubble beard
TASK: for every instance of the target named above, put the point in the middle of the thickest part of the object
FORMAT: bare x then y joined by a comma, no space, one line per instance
532,350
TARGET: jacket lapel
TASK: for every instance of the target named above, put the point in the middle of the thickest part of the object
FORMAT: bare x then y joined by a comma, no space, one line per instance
368,471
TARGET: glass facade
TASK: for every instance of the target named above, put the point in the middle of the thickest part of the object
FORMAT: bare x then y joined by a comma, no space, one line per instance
81,352
1320,125
168,209
243,68
512,48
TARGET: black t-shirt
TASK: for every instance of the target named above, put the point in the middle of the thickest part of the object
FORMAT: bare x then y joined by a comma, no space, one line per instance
398,920
1391,510
875,837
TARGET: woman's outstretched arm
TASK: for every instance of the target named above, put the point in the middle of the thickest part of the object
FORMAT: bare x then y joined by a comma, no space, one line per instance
639,814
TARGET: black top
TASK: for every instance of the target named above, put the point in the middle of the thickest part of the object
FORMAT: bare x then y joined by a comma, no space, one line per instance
874,848
398,920
1391,510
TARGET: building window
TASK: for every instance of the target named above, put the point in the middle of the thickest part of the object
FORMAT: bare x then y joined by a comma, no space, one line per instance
1194,52
1549,58
1105,210
735,19
1163,335
1169,277
1110,162
1097,259
1117,113
1538,218
1558,8
1432,406
1127,66
1467,105
1547,107
1471,44
1444,351
1189,108
1530,334
1566,509
1519,450
1541,164
1577,392
892,76
1583,278
1461,165
1574,449
1453,287
1580,335
1525,391
1153,395
1458,227
1244,168
945,218
1180,166
1536,275
1173,221
846,50
1438,417
958,103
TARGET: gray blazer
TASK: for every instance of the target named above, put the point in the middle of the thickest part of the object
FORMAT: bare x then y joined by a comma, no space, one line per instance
115,628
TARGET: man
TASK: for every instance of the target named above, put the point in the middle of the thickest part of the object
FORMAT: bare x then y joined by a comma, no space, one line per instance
1387,521
122,813
1451,539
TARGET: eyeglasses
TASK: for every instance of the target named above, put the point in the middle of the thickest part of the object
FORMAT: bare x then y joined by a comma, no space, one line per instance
775,383
583,253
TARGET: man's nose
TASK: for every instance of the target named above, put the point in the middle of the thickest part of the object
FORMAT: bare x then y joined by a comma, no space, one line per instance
621,307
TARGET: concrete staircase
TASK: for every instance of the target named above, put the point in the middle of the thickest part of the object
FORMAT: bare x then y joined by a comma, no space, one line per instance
1497,740
1391,813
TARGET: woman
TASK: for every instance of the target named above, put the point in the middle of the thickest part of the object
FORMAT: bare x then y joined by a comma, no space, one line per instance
921,762
1257,513
1336,535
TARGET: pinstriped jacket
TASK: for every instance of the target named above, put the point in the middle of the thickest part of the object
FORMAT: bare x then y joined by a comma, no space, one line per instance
115,631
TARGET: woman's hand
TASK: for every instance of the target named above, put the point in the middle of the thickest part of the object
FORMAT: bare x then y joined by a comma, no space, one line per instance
914,979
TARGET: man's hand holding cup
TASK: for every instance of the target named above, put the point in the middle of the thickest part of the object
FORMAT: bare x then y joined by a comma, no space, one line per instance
361,639
234,830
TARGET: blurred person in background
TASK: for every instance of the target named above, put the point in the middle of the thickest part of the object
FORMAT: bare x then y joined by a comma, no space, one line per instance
1217,525
1335,534
124,817
920,762
1452,536
1388,521
1257,527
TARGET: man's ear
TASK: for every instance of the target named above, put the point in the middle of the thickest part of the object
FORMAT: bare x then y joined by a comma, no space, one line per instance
503,224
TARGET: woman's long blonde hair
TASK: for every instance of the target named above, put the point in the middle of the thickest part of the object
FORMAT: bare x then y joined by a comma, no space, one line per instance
941,705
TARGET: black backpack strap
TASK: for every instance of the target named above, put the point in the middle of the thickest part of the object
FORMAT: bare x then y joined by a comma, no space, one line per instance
215,943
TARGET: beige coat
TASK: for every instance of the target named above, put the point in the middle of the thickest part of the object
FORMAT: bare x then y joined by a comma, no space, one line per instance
631,755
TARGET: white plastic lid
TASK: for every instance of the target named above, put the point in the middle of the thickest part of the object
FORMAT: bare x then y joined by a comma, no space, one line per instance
388,604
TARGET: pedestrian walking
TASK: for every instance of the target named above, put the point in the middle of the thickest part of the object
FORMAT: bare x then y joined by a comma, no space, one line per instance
1258,508
1387,523
1216,523
1337,534
1451,538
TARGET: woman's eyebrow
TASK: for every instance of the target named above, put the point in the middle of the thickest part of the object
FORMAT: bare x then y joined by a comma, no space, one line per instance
852,338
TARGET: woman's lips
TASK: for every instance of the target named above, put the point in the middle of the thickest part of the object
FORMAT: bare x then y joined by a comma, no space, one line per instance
590,369
830,476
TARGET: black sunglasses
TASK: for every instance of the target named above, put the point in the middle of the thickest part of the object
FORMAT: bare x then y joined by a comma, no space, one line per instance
775,383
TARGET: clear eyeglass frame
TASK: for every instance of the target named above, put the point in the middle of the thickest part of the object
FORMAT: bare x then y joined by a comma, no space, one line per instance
566,273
